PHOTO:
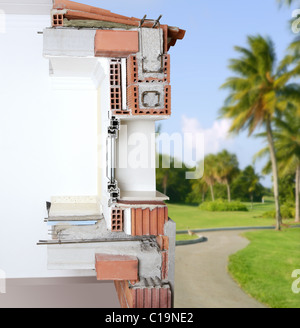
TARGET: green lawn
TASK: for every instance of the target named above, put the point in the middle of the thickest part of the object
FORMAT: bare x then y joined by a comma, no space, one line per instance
264,268
193,218
185,237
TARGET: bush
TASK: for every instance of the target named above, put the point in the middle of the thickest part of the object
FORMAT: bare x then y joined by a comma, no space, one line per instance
223,206
269,214
287,211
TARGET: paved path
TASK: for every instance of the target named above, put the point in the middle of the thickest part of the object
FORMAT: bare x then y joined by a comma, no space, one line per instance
201,278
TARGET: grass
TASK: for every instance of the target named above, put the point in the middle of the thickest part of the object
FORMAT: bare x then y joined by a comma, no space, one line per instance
186,237
194,218
264,268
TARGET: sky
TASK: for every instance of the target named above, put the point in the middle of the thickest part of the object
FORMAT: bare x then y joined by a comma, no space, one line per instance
199,62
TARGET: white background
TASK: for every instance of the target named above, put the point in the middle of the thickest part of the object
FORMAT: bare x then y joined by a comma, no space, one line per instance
48,146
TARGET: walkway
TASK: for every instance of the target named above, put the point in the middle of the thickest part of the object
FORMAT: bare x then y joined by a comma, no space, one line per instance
202,280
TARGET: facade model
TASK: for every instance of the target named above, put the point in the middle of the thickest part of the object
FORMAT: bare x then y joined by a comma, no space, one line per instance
124,233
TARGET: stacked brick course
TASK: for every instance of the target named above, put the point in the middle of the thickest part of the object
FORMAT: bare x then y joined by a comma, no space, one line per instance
150,294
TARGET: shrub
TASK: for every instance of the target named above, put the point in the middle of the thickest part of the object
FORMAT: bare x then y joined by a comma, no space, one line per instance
223,206
287,211
269,214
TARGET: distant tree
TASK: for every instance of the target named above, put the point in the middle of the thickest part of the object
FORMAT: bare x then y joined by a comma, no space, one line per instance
253,100
247,186
172,180
210,172
227,168
199,189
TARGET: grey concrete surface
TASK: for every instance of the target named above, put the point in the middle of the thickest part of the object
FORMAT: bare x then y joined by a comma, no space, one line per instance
201,277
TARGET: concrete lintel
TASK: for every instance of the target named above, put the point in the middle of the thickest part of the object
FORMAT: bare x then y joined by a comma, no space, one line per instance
82,257
68,42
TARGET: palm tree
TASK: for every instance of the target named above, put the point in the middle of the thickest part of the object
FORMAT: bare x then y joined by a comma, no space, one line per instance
287,144
210,173
227,169
286,2
253,100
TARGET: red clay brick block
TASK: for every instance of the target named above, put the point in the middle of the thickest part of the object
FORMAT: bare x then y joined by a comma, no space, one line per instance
121,294
116,267
146,222
116,87
125,294
65,4
161,221
134,104
133,76
57,20
132,70
163,242
154,223
165,265
164,298
110,43
151,297
133,222
116,220
139,222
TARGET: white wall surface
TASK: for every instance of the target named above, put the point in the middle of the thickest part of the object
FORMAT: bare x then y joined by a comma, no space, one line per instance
136,161
48,146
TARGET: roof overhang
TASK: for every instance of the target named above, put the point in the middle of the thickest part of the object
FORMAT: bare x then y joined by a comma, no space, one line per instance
79,15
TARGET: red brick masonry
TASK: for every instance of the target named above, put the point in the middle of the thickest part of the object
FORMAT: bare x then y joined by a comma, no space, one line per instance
152,295
146,222
116,267
116,43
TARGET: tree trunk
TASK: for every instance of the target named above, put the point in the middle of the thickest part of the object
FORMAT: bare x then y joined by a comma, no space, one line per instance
203,196
275,174
251,201
212,192
228,192
297,194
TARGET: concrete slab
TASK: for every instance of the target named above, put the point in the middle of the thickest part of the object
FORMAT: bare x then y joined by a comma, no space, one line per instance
69,42
82,256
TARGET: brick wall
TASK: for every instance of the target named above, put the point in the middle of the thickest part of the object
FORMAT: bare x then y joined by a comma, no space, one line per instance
146,222
150,294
